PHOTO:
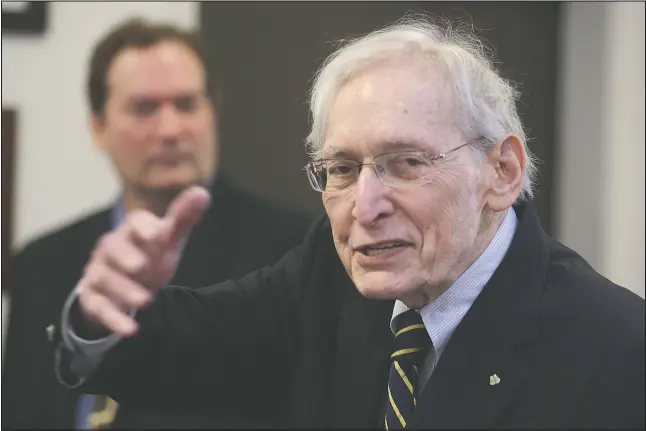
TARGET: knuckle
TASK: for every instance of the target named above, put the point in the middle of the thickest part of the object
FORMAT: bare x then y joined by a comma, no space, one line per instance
81,292
88,269
141,297
134,263
89,304
135,215
105,241
121,255
138,218
92,275
108,246
144,224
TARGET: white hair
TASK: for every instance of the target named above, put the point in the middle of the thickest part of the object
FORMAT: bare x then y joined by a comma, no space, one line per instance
484,102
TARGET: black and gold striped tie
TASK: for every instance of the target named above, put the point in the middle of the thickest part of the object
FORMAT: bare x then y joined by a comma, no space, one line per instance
411,345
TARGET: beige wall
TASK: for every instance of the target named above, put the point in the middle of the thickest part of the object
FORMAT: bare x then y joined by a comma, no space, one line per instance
43,77
600,210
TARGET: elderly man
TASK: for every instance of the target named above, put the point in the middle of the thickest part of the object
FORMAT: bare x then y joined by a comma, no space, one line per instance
428,296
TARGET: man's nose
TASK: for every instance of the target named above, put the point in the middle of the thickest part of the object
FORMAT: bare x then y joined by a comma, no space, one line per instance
371,201
170,121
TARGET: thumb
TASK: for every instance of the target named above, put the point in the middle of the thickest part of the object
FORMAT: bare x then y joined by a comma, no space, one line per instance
184,212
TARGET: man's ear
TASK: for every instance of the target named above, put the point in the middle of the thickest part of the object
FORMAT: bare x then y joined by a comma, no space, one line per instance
97,128
508,159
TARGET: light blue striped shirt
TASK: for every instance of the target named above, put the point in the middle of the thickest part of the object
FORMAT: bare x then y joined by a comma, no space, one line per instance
442,316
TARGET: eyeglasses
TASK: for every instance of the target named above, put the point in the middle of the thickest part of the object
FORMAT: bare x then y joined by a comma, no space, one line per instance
398,170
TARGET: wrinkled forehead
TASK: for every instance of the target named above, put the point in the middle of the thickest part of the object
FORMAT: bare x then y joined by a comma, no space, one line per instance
390,107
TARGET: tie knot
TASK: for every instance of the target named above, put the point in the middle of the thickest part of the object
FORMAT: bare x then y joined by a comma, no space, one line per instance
411,338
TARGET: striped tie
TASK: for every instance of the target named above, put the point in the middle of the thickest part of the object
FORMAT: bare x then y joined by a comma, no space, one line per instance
411,345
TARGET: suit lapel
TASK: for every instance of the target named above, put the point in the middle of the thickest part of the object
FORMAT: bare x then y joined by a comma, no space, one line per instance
197,266
483,365
362,361
474,381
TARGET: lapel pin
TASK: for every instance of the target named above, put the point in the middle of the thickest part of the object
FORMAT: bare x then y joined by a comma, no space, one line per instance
494,380
50,332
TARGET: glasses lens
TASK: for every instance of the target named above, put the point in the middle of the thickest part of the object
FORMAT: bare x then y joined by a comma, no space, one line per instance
316,176
394,170
403,169
332,175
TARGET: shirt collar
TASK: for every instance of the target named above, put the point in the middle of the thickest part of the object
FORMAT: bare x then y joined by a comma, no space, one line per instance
443,315
118,213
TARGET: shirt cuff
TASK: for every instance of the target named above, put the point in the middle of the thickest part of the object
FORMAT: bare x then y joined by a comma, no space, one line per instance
89,348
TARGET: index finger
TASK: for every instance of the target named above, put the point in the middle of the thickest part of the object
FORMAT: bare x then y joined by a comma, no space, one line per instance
184,212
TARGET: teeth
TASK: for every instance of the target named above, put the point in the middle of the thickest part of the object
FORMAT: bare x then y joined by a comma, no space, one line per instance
370,251
383,246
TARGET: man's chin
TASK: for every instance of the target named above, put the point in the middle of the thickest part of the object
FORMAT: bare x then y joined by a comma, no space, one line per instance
380,285
378,294
163,192
173,185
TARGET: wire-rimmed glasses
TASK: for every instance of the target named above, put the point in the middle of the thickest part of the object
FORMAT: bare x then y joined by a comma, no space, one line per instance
397,169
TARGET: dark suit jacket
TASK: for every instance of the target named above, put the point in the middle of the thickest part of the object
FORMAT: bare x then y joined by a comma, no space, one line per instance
298,344
238,234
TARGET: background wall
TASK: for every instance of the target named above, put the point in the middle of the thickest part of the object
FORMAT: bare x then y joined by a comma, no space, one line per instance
600,175
43,77
600,193
267,52
59,174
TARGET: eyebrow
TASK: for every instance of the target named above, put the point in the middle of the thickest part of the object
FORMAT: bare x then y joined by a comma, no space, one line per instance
153,98
383,147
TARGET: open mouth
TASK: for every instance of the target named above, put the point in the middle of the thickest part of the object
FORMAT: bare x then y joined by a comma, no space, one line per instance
382,248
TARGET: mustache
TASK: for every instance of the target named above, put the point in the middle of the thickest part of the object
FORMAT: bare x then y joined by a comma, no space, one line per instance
169,157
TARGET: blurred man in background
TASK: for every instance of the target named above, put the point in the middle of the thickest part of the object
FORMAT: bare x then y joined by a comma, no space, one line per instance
153,115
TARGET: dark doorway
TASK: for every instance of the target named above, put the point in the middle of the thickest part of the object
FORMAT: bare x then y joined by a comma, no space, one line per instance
265,54
9,124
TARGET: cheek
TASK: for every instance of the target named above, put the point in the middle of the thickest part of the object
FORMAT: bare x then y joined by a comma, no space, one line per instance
457,187
339,212
133,138
435,223
441,215
200,126
202,141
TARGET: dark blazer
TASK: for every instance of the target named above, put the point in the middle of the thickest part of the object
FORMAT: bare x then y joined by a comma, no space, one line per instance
296,343
238,234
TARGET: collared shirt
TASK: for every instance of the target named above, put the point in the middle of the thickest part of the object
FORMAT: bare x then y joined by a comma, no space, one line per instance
442,316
